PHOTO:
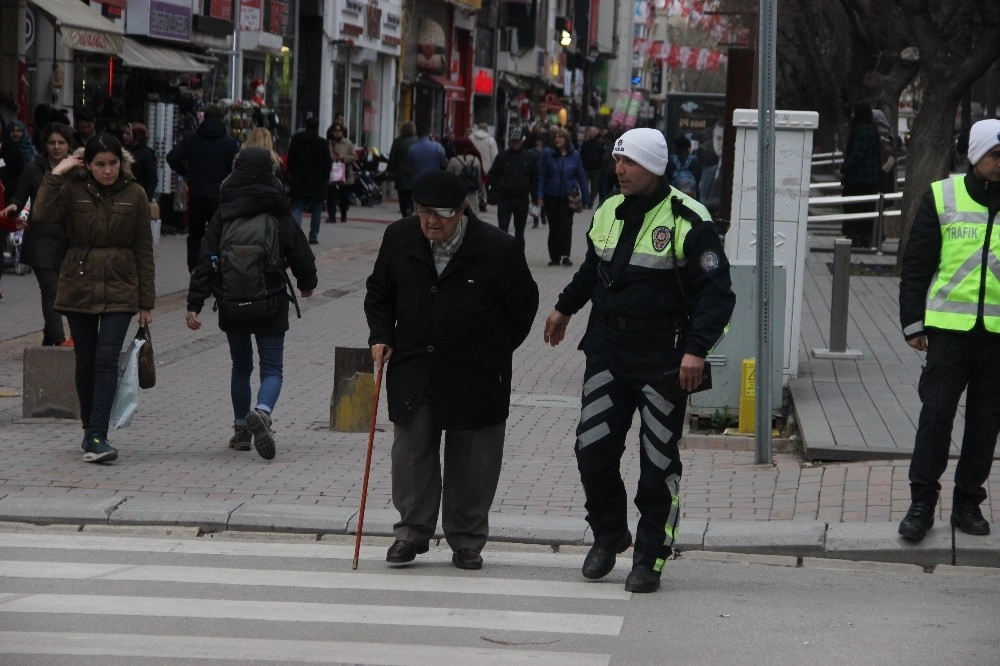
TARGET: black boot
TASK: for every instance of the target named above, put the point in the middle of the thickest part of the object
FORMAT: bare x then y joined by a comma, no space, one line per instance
968,518
642,579
918,520
601,558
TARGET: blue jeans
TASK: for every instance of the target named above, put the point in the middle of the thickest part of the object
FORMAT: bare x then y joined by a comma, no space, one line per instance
97,344
270,351
316,211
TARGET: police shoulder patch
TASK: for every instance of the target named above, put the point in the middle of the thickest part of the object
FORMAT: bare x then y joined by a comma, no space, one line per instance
709,261
661,236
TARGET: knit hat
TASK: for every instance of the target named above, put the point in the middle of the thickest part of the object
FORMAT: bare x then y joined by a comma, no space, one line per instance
644,146
439,189
983,136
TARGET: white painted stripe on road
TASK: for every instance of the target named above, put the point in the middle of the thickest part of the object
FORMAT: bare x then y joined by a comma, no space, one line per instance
286,611
256,649
318,550
309,579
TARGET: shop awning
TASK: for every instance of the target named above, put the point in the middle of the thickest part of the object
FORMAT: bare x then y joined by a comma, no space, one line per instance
451,89
147,56
81,27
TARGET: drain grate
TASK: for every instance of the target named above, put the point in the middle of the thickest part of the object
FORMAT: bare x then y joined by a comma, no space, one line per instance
542,400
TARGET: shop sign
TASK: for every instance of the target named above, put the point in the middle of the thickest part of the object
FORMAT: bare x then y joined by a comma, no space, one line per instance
29,29
373,21
391,40
250,11
89,40
279,17
169,21
394,21
221,9
352,29
353,7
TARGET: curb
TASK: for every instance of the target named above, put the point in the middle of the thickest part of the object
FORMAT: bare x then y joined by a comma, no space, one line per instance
812,539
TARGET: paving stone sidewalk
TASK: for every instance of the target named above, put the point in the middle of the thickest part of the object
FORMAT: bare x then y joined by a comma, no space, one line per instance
176,448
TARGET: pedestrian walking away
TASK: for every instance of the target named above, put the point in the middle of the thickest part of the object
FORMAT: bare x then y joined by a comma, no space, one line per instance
203,158
659,283
514,178
249,242
309,161
107,275
861,173
948,307
488,150
449,300
425,155
399,166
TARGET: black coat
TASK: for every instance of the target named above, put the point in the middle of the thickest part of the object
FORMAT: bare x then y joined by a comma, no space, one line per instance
515,172
245,194
309,164
453,336
44,246
204,158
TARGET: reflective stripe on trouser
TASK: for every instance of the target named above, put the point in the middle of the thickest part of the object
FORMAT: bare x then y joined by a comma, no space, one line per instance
609,403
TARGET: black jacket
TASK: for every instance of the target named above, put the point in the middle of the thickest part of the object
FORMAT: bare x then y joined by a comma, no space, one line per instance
639,292
923,250
592,153
515,172
249,191
309,164
144,167
453,336
44,246
205,157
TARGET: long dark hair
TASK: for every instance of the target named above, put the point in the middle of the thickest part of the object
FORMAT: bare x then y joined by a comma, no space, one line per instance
102,143
861,116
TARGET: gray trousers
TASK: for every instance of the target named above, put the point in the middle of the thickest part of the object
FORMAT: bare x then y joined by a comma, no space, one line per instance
472,461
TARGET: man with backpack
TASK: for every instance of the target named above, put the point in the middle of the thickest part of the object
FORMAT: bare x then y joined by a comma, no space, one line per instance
249,242
684,169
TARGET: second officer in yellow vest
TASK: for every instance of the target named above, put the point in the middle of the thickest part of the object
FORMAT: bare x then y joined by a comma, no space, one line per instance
659,282
949,307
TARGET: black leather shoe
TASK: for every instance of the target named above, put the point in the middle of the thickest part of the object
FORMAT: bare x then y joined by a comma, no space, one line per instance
918,520
969,519
466,558
601,558
642,579
402,552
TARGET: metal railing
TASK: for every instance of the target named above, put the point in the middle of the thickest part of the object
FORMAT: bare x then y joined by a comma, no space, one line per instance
880,213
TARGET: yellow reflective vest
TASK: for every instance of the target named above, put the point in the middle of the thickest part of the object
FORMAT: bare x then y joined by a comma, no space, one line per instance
660,240
967,241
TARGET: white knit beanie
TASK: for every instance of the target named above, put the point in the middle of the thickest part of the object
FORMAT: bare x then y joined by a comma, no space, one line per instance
646,147
983,136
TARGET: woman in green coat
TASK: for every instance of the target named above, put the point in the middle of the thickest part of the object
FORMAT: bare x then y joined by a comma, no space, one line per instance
107,275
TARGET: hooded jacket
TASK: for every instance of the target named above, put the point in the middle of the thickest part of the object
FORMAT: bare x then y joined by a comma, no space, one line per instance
205,157
108,265
252,188
487,147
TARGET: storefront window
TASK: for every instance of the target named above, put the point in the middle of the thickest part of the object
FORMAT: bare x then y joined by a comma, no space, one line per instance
90,74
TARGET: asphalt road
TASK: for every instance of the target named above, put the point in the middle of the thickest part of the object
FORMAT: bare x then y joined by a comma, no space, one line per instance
154,596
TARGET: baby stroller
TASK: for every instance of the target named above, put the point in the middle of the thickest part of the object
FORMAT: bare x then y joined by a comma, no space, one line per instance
369,171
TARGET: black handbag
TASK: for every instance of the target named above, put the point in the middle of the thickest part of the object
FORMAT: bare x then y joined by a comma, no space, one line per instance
147,366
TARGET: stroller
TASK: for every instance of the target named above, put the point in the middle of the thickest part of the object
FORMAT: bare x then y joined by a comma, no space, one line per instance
369,173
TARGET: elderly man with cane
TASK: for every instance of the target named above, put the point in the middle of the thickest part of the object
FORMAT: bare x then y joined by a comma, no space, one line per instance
449,300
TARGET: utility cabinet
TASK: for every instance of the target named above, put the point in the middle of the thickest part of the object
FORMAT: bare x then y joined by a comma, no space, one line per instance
792,171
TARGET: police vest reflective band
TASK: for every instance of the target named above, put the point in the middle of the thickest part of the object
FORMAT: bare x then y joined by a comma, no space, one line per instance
953,298
652,247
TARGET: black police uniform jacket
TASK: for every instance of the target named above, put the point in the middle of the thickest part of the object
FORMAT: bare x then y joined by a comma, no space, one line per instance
453,336
699,298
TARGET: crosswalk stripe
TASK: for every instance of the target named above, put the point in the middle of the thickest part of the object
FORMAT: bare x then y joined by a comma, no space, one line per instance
282,611
309,579
284,651
316,550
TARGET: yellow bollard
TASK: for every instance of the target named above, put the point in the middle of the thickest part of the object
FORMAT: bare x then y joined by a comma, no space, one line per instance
748,393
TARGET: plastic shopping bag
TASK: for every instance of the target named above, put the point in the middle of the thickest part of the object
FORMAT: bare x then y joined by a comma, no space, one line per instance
127,395
338,172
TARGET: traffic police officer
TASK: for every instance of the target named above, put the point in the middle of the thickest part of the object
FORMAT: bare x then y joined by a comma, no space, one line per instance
949,307
659,282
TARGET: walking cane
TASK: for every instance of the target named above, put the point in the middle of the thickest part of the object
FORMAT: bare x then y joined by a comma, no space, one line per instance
368,461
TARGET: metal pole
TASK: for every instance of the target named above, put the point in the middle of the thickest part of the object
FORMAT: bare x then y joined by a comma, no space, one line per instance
841,294
880,223
767,37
